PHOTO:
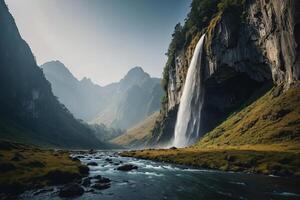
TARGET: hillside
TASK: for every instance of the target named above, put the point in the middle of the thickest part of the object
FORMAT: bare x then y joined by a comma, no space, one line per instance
272,120
29,111
137,136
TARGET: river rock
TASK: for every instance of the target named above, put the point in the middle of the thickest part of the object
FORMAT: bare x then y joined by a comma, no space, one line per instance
101,186
86,182
71,190
101,179
92,164
127,167
92,151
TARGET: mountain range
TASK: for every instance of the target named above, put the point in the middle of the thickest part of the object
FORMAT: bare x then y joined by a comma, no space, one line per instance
120,105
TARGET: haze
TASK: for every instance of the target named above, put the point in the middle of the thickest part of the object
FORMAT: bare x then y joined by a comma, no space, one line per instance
100,39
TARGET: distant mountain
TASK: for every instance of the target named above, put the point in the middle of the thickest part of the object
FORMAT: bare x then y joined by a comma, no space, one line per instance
83,98
120,105
135,98
29,112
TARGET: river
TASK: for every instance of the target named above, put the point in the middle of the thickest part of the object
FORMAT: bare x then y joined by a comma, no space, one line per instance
160,181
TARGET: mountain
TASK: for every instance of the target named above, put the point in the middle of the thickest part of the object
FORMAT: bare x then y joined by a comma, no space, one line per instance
120,105
83,98
250,47
137,136
29,111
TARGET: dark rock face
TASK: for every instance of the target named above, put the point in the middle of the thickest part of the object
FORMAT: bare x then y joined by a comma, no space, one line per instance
71,190
243,55
277,24
127,167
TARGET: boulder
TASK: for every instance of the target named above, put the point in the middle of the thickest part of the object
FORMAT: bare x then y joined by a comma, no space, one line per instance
86,182
101,186
92,151
71,190
101,179
127,167
92,164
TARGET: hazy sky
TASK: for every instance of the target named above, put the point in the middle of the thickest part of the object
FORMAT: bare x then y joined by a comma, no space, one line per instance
100,39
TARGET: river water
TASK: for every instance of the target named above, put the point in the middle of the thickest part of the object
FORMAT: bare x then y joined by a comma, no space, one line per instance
160,181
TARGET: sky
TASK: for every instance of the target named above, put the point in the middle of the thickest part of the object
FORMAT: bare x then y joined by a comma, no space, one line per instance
100,39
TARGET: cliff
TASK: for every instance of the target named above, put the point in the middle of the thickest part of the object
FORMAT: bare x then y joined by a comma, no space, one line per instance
29,111
250,46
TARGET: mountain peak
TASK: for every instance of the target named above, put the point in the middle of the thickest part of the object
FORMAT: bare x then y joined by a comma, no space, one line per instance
136,73
87,80
55,65
136,69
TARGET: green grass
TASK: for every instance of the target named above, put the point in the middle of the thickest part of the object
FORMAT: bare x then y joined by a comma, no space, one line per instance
29,167
269,121
263,162
139,134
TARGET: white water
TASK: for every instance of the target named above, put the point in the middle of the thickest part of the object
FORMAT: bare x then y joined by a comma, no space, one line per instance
189,112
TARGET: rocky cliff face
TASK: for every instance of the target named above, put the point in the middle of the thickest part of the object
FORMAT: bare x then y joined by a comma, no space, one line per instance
246,50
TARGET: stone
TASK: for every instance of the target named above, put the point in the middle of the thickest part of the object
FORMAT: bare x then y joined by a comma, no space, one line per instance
86,182
127,167
92,164
71,190
101,186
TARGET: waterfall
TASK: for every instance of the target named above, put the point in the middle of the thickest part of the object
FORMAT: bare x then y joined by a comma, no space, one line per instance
189,113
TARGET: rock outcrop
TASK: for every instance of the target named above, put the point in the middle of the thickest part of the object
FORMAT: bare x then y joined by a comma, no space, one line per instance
246,50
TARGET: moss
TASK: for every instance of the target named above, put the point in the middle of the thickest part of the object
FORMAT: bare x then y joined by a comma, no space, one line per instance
210,31
35,167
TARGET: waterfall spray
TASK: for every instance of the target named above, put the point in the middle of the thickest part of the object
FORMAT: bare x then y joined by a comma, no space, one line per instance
189,113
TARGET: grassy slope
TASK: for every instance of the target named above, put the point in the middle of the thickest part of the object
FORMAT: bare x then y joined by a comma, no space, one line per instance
264,138
24,167
138,135
273,122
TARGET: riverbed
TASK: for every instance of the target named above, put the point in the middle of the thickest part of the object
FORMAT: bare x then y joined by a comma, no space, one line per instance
159,181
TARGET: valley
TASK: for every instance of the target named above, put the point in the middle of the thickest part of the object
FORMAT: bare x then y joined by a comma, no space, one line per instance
85,115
